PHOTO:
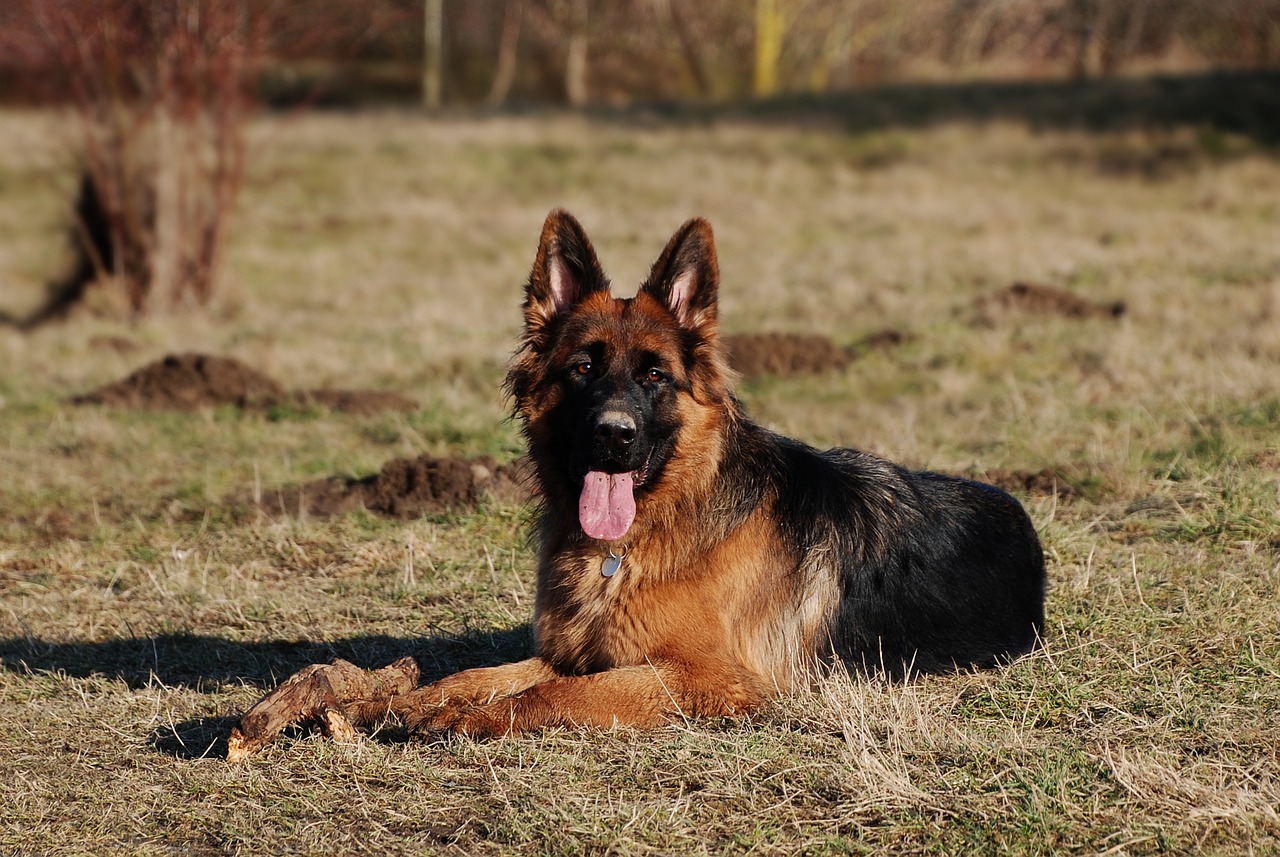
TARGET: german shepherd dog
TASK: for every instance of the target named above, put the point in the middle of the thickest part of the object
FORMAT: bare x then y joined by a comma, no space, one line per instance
692,563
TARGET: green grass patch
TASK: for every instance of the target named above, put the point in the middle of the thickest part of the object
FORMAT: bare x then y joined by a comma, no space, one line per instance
143,609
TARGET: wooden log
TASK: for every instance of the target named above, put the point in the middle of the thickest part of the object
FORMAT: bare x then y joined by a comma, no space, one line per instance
337,697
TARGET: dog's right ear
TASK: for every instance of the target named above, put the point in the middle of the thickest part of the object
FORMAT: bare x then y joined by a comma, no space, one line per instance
565,271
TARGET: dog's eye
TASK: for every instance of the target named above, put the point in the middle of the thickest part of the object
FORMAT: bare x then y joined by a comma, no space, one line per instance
655,376
583,368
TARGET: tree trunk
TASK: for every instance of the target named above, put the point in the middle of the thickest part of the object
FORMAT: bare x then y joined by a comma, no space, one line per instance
681,49
769,30
508,49
575,70
432,53
1121,44
833,54
1085,22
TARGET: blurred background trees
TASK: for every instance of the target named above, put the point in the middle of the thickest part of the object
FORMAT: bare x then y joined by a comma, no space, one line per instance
593,51
161,91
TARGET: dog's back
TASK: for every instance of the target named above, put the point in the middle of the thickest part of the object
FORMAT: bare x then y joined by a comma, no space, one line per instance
927,572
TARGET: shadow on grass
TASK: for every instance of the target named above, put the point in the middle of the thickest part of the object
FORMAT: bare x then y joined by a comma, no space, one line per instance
1238,102
209,664
1234,101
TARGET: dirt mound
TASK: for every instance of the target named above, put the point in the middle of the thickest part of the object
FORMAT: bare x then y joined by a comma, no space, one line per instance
756,355
1266,459
1047,482
188,382
787,355
1030,297
359,402
405,488
881,340
193,381
118,344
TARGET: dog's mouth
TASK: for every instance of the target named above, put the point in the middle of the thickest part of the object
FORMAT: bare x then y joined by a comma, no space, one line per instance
607,506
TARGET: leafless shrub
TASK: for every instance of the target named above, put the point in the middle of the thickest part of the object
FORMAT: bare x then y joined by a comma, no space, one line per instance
160,94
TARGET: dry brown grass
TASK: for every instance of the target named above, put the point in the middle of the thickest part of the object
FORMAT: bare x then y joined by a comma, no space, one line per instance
383,250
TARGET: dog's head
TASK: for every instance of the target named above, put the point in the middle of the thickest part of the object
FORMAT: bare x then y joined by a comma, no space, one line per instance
608,387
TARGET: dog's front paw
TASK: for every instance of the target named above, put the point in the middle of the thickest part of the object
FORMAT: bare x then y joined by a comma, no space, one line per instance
474,721
485,721
427,721
425,711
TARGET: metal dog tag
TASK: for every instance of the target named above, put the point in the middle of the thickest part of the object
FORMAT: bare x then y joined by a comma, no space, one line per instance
611,564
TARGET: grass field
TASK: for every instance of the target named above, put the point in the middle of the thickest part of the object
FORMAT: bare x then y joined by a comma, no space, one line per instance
384,250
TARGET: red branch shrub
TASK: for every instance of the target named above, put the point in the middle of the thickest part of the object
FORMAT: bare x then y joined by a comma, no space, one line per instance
161,93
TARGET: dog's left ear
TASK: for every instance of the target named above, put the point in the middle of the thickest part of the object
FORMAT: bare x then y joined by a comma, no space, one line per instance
686,276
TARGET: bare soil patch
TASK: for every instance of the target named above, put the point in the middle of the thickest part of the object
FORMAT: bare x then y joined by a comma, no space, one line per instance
786,355
1046,482
194,381
881,340
1049,300
118,344
1266,459
188,382
359,402
404,488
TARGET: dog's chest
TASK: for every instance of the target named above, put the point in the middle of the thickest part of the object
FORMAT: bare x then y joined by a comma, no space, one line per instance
598,620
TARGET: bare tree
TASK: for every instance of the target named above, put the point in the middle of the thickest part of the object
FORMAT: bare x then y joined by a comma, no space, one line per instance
432,53
681,50
771,26
161,94
1121,35
575,70
508,53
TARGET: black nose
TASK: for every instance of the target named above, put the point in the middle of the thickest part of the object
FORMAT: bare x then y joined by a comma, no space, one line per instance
615,431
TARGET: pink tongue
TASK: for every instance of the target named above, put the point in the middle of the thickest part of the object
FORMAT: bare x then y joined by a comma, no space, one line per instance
608,504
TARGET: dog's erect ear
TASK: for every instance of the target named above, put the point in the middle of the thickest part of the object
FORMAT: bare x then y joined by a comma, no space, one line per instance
686,276
565,271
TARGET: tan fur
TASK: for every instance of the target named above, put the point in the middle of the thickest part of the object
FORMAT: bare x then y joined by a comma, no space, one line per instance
707,616
687,628
679,632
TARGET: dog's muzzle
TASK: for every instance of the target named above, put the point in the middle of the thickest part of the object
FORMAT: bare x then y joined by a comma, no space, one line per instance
615,435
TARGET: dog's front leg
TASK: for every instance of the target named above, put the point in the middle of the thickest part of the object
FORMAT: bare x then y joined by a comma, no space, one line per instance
638,696
432,707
